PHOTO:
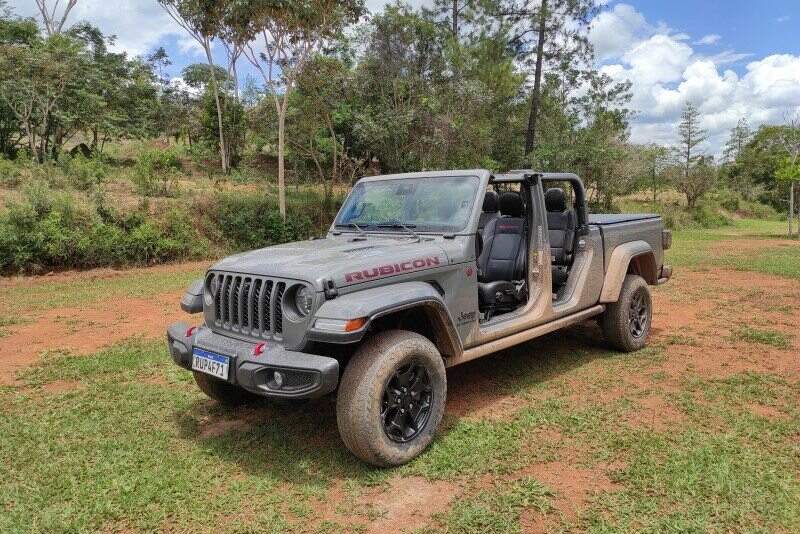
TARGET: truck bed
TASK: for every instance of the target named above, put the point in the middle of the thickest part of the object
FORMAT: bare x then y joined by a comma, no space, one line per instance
619,228
616,218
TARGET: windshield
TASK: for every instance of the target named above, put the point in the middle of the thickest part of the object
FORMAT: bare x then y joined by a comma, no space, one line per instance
422,204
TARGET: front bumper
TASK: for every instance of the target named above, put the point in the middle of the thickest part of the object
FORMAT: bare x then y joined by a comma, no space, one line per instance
304,375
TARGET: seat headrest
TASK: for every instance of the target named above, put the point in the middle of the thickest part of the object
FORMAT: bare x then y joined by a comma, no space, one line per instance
555,199
490,202
511,204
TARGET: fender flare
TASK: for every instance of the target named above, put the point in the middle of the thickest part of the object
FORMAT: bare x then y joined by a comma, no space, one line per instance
641,254
378,302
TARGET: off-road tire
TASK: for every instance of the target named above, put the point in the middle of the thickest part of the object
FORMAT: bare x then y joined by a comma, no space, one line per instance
615,321
361,390
222,392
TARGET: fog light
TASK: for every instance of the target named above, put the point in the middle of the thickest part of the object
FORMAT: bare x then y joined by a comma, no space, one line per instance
277,377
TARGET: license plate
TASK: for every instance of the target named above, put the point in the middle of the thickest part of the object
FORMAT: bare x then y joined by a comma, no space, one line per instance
210,363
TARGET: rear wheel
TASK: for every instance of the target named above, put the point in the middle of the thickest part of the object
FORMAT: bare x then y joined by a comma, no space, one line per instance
626,323
223,392
391,398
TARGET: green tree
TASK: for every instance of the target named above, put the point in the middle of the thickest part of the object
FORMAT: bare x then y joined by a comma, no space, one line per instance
548,35
34,80
289,33
789,169
203,20
692,184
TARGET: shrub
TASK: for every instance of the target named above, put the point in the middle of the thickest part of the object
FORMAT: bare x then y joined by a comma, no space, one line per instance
50,230
727,199
83,173
253,221
10,173
705,216
155,172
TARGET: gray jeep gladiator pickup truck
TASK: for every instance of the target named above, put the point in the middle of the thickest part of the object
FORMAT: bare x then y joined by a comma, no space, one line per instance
417,273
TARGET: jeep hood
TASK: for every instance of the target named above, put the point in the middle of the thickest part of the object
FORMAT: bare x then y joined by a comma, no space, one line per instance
345,260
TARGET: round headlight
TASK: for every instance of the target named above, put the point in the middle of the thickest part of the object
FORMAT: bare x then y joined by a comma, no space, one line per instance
303,301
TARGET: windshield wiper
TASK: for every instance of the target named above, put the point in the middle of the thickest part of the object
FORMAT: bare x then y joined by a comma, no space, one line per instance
354,225
394,223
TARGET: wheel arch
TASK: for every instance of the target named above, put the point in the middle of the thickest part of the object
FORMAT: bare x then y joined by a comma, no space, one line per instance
414,306
635,257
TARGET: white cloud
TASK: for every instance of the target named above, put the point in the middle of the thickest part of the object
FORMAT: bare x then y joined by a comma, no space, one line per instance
615,31
377,5
709,39
666,72
138,25
728,56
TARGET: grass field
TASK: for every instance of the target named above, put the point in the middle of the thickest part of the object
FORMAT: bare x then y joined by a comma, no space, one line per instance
699,432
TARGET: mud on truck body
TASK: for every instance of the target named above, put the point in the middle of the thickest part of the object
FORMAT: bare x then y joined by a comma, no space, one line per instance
417,273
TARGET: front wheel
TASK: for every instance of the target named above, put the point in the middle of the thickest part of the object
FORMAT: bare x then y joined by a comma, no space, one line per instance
391,398
626,323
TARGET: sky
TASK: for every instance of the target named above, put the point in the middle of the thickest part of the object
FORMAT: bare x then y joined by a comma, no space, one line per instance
731,58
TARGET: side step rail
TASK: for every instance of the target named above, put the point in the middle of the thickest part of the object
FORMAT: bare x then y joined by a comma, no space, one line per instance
525,335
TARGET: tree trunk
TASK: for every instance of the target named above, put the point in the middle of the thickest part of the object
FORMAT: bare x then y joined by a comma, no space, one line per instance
530,134
655,187
215,88
281,165
791,209
455,19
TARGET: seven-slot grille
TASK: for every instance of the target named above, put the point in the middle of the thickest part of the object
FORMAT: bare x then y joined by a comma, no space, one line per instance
249,305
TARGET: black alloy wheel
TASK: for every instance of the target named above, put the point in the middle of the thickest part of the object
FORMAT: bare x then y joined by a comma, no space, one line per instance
406,403
638,314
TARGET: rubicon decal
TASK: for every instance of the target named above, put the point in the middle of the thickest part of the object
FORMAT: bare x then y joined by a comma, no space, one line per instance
390,269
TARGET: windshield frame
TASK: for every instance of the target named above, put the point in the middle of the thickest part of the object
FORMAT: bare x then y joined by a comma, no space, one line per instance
338,226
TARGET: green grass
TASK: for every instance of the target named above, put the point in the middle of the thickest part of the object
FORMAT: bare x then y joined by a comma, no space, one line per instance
498,510
763,337
726,470
25,298
130,448
695,249
134,433
127,448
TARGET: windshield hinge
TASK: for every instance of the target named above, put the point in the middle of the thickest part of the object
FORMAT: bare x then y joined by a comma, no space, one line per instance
330,289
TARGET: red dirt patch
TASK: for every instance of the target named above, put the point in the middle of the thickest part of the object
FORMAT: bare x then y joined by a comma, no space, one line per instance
655,413
61,386
768,412
219,427
86,329
573,486
408,503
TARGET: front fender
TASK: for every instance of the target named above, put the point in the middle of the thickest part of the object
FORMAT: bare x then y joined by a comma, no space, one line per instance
376,302
618,268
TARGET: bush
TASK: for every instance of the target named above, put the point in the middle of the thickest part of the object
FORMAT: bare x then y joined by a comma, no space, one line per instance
83,173
727,199
156,171
10,173
50,230
253,221
705,216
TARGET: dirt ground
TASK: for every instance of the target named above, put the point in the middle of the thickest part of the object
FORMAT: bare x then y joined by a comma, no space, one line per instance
696,319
